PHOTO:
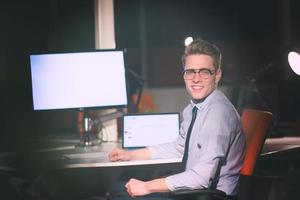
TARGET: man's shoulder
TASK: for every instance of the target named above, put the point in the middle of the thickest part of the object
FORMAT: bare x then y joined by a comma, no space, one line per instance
222,106
220,101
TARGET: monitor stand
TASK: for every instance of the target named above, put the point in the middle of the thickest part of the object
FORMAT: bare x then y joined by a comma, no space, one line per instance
85,124
85,141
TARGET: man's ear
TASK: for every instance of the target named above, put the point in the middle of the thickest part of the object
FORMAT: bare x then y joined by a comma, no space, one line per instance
218,75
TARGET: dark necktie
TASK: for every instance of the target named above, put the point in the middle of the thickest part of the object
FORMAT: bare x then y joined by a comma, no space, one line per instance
187,140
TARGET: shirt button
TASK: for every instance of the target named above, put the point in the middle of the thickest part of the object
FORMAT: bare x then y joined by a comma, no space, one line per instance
199,146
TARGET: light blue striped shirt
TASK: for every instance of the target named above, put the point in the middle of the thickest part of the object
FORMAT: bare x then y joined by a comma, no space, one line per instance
217,133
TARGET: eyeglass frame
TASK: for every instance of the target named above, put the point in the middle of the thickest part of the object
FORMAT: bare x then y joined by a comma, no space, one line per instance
198,71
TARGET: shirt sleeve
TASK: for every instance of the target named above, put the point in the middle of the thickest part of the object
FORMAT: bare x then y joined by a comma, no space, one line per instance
215,134
174,149
168,150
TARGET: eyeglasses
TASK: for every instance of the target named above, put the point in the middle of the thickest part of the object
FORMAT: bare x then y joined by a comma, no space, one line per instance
204,73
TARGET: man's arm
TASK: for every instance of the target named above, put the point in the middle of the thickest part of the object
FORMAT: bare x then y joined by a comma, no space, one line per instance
140,188
126,155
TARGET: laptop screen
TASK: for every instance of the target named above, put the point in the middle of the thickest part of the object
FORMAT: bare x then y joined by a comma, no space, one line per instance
147,129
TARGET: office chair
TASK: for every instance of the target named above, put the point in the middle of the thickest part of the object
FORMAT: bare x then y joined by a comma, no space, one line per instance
255,125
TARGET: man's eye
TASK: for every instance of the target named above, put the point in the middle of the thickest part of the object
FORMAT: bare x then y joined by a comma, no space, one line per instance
205,71
189,72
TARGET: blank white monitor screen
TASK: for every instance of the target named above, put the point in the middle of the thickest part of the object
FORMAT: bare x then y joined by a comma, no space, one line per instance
78,80
140,130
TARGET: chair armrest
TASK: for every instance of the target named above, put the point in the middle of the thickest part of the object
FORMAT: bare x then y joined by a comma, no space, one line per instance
194,194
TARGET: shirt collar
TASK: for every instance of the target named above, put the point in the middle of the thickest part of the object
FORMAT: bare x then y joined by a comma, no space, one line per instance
202,104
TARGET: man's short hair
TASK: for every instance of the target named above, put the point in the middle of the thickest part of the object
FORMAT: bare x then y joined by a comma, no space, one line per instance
198,47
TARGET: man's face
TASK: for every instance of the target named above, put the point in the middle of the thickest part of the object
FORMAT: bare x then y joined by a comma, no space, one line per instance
199,87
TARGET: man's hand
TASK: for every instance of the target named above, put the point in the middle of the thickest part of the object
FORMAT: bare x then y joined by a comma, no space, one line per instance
125,155
137,188
119,155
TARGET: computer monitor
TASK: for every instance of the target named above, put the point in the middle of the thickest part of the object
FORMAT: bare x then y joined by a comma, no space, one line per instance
78,80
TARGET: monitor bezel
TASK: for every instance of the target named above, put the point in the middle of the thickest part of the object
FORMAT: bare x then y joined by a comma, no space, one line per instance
87,108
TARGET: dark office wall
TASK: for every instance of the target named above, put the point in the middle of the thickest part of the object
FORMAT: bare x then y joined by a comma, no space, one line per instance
35,26
251,35
245,32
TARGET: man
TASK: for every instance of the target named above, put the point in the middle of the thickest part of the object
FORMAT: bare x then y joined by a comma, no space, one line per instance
216,143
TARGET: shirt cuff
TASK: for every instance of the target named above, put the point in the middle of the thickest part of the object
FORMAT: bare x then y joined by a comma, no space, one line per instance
169,184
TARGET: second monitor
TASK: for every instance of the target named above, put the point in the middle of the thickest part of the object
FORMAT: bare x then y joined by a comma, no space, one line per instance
146,129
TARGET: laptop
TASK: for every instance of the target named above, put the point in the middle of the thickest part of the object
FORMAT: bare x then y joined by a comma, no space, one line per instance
147,129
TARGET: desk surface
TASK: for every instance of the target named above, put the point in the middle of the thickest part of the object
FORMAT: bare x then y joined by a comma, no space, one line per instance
280,145
272,146
58,156
66,156
98,157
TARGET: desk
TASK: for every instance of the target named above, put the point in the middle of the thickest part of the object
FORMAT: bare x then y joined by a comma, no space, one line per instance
78,176
85,176
62,154
272,147
52,155
279,156
280,145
